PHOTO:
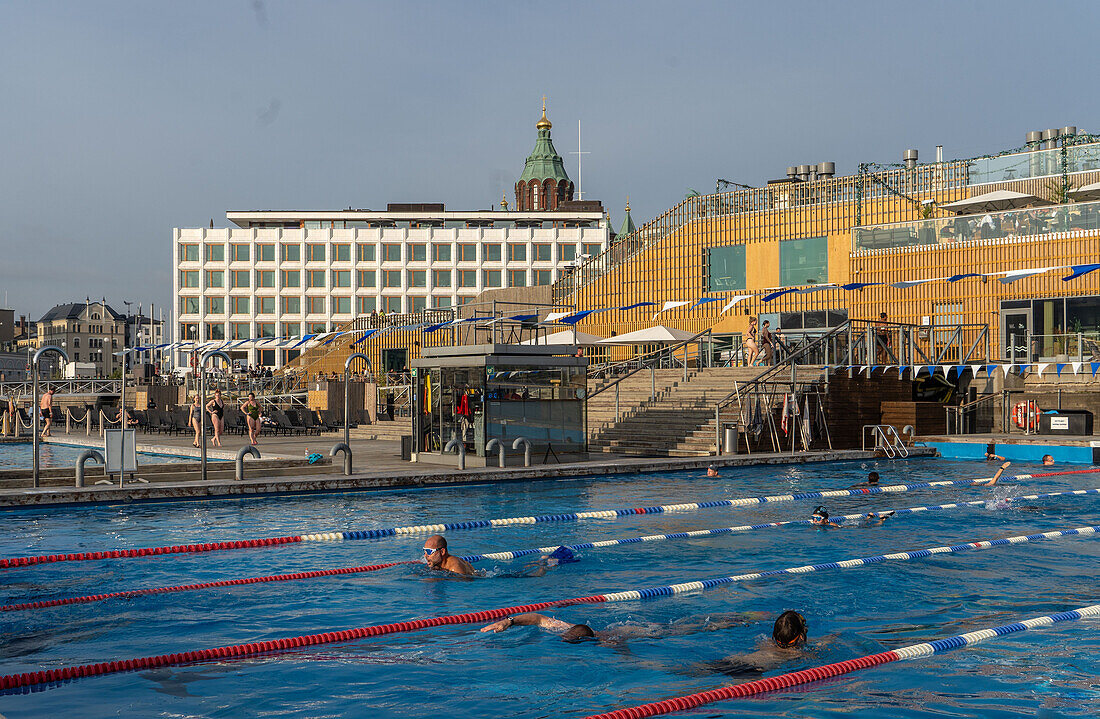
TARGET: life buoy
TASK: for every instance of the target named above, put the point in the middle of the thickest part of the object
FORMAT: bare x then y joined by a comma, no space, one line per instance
1025,414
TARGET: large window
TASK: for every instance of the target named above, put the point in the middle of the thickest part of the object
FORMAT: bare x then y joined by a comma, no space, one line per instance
239,253
189,253
189,305
292,253
240,278
215,331
266,305
315,305
391,278
417,278
341,305
291,278
316,253
517,252
804,262
492,278
726,268
215,253
214,306
239,305
391,253
441,278
517,278
292,305
315,278
418,253
441,253
393,305
265,278
541,277
265,253
214,278
189,278
467,278
367,305
341,278
542,252
368,278
364,253
341,253
567,252
467,253
492,252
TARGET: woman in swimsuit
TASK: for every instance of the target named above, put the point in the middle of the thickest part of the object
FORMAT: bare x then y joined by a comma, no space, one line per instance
194,416
750,343
252,416
216,408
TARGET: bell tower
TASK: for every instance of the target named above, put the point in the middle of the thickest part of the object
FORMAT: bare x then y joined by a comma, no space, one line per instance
544,184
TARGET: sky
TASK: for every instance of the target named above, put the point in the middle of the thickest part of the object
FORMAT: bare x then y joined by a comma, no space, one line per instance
123,120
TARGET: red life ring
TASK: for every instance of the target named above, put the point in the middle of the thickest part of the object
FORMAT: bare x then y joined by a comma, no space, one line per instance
1025,414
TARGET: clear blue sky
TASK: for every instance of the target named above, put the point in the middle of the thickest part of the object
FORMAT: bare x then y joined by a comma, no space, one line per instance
122,120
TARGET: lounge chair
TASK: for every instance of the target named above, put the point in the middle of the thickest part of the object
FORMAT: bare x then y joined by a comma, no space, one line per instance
296,422
283,423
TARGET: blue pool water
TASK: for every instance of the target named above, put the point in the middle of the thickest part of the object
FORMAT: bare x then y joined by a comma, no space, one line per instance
458,672
19,455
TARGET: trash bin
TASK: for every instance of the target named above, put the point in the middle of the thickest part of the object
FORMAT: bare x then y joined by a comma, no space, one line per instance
406,447
729,438
1066,421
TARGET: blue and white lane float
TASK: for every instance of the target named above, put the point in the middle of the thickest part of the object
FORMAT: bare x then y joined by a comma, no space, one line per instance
500,556
27,679
13,562
805,676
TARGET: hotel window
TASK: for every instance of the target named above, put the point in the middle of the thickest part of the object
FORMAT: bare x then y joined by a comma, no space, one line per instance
364,253
189,253
541,277
315,278
467,253
517,278
492,278
341,278
567,252
315,305
393,304
265,329
189,305
215,278
726,268
239,330
492,252
417,278
418,253
315,327
467,278
292,253
804,262
265,278
265,253
238,253
215,253
266,305
292,278
292,305
517,252
215,331
292,329
238,305
239,278
341,305
215,305
368,278
592,248
189,278
391,253
367,305
542,253
342,253
441,278
419,304
391,278
441,253
316,253
441,302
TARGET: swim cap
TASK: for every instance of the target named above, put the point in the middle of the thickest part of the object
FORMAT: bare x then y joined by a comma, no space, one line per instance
562,555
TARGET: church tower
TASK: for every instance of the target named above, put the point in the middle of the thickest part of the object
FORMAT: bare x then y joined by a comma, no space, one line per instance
544,185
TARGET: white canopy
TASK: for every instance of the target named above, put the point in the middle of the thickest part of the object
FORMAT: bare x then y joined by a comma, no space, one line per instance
1086,193
993,201
657,334
565,337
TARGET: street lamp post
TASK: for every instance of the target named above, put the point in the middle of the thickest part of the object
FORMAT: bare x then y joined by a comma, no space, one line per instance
35,410
202,404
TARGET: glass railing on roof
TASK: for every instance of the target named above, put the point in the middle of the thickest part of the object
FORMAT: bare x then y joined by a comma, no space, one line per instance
1039,163
1030,222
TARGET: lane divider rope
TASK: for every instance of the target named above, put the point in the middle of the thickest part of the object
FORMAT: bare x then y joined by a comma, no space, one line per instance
14,562
515,554
784,681
45,676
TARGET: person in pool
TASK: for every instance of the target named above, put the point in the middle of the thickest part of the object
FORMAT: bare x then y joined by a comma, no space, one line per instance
787,643
872,481
712,471
1047,460
991,453
438,558
624,632
820,518
993,481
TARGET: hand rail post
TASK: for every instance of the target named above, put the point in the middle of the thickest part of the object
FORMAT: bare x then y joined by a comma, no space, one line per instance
35,412
526,449
494,442
616,403
202,405
459,447
84,457
247,449
342,447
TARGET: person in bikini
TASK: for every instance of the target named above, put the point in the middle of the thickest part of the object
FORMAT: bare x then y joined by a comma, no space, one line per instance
216,409
251,411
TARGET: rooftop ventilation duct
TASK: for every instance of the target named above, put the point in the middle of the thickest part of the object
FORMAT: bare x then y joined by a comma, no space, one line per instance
1034,139
910,157
803,172
792,172
826,169
1050,138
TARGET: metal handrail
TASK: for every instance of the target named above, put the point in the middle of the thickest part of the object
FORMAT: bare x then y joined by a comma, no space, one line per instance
671,349
958,410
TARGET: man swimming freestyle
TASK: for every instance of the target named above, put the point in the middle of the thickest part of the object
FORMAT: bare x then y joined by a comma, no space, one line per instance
438,558
617,634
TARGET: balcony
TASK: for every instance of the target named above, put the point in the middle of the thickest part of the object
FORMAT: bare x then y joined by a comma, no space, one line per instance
1029,223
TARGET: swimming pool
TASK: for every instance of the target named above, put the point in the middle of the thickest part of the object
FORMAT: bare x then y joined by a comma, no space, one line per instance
19,455
460,672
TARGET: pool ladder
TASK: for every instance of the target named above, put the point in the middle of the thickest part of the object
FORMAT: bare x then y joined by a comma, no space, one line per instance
887,439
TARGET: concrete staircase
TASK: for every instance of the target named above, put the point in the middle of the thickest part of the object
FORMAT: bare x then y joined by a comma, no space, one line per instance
678,421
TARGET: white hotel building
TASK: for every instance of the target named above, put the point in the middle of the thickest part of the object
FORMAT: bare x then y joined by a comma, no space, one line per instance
280,274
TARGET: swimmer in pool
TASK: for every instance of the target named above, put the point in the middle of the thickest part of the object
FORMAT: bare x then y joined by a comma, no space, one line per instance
872,481
437,557
1047,460
788,638
712,471
875,519
624,632
991,453
820,518
538,568
991,482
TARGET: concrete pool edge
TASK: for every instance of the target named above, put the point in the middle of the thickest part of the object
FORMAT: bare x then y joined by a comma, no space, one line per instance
414,478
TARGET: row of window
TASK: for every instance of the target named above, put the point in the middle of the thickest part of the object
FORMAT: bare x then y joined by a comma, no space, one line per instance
92,357
441,252
324,279
801,262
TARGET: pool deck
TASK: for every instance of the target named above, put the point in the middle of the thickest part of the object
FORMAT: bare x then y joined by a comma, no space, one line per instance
388,471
